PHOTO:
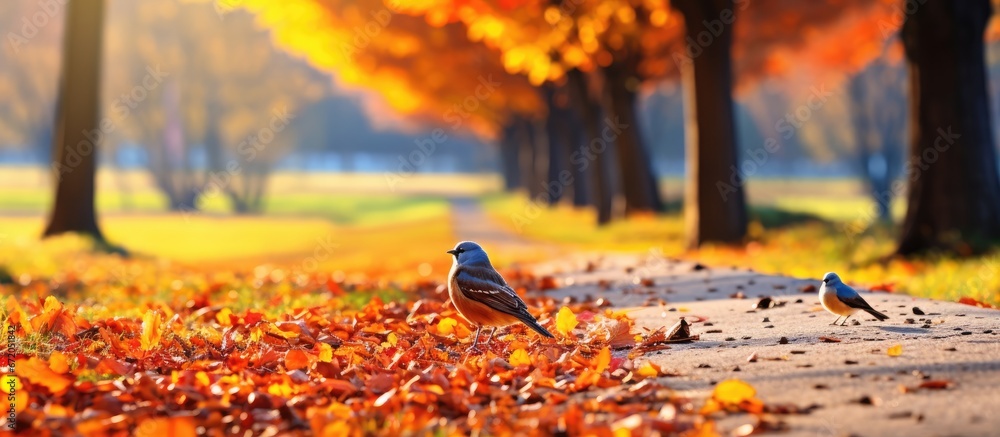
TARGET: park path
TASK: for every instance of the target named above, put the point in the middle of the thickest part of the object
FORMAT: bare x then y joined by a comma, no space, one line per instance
852,386
470,222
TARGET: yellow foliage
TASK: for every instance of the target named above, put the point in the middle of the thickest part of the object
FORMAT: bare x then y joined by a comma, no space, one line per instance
520,357
733,391
895,351
447,326
566,321
325,353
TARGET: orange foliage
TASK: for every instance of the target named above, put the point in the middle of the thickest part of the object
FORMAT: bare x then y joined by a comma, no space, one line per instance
433,74
386,368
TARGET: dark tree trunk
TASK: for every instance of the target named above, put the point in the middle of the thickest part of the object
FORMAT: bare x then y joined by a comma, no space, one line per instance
715,205
510,157
528,156
639,184
78,129
954,196
594,148
555,136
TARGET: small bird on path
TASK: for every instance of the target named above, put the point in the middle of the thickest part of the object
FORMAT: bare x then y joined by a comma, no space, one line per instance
482,296
840,299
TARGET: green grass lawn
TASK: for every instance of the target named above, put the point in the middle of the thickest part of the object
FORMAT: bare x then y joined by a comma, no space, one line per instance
798,229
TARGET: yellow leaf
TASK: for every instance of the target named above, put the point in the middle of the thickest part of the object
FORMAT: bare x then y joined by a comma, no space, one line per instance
520,357
202,378
603,360
733,391
223,317
649,370
150,330
325,353
447,326
52,304
895,351
566,321
392,339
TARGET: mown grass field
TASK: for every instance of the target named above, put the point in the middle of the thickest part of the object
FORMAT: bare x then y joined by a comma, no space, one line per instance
801,228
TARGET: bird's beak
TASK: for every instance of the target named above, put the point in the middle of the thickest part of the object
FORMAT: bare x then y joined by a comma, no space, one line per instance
453,252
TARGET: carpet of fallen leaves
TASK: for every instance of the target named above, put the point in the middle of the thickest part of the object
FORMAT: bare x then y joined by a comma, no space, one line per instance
203,361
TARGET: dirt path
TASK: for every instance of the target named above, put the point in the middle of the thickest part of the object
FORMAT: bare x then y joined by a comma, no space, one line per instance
851,385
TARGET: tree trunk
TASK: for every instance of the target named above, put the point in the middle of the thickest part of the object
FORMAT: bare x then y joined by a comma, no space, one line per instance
954,196
78,130
714,206
639,184
510,157
595,147
530,137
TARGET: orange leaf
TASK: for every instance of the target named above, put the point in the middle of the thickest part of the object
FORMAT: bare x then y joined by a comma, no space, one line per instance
17,315
150,330
58,362
167,426
603,360
296,359
38,372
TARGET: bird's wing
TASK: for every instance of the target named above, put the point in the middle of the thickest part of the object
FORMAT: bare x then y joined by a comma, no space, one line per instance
851,298
487,287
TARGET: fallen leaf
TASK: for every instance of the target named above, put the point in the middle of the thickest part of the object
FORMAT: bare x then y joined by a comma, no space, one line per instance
603,360
566,321
447,326
325,353
296,359
150,330
167,426
520,357
895,351
59,362
649,370
829,339
733,391
38,372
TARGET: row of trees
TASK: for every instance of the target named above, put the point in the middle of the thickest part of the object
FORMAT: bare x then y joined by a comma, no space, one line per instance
568,74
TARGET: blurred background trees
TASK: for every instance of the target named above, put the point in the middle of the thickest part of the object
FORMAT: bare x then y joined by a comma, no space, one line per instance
597,104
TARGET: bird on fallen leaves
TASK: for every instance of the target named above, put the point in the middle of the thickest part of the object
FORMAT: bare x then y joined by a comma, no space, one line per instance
841,300
482,296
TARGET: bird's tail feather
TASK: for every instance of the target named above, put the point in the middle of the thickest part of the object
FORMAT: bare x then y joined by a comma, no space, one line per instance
533,324
876,314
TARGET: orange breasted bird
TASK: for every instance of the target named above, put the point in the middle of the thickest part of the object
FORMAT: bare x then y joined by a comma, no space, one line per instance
482,296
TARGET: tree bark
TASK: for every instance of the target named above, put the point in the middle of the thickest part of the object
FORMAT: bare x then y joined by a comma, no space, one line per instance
510,157
78,129
954,196
639,183
594,148
714,206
